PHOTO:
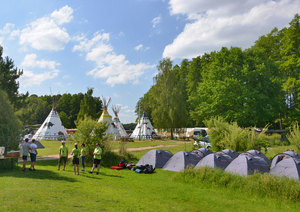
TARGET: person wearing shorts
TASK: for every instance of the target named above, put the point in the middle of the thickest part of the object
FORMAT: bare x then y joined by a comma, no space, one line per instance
97,158
82,156
63,155
75,153
24,150
33,153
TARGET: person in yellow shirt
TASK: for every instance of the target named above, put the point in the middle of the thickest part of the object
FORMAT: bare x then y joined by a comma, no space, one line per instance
82,156
97,158
63,155
76,153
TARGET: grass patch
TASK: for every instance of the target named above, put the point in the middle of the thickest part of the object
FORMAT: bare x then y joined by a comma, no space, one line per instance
261,185
50,190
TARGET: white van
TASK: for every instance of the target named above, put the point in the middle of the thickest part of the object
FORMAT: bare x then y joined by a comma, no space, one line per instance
201,138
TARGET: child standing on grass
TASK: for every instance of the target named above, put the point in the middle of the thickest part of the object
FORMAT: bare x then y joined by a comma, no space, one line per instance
82,157
97,158
63,155
33,153
76,153
25,150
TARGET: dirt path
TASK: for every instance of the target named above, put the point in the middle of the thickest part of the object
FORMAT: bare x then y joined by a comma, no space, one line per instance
55,157
146,147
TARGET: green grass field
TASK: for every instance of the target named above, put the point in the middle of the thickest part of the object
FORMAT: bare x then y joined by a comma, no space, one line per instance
50,190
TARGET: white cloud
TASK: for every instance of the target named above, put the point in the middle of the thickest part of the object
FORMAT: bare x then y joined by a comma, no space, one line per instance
7,28
141,47
30,61
45,70
46,33
217,23
109,65
155,21
63,15
138,47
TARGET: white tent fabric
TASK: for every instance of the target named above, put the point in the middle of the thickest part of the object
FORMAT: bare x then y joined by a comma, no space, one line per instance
144,129
117,122
52,128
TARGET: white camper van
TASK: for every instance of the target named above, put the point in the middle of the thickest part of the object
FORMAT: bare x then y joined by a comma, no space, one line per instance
201,138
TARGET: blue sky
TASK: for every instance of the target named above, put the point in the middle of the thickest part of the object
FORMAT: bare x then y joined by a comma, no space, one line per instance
114,46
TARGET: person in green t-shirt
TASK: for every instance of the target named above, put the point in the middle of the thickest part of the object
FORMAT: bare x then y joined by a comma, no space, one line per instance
97,158
82,156
63,154
75,153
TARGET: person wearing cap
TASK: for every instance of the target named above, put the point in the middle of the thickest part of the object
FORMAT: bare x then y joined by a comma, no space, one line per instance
97,158
75,153
63,154
24,150
33,153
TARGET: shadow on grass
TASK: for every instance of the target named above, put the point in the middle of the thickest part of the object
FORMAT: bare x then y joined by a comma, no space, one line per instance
39,174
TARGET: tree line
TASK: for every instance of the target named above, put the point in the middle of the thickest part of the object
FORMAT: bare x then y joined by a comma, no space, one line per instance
253,87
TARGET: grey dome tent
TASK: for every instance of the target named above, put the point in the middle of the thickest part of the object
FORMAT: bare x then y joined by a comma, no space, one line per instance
233,154
281,156
202,152
155,157
259,154
215,160
246,164
181,160
287,167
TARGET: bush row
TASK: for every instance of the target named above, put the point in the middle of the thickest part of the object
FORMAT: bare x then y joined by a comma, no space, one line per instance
264,185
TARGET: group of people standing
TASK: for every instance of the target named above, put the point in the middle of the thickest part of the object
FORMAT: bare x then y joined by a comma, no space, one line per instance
31,148
28,148
76,153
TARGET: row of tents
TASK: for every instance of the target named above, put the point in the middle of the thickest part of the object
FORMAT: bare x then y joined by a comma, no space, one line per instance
52,128
285,164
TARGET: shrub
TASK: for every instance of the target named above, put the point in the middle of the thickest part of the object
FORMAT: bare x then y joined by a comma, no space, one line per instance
91,132
257,184
112,158
10,126
257,140
230,135
294,136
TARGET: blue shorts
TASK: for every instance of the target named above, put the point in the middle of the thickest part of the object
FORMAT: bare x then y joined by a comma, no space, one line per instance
24,157
32,157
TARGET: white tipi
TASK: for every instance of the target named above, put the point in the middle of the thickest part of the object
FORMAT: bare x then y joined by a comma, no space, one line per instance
52,128
143,129
112,131
117,122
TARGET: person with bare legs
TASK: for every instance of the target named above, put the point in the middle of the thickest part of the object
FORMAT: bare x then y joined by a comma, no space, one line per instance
97,158
76,153
24,150
33,154
63,155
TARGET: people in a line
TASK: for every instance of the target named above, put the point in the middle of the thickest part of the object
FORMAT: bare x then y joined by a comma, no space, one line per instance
24,151
33,154
63,155
76,153
82,156
97,158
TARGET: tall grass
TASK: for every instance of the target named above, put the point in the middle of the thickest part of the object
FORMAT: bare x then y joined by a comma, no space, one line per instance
230,135
263,185
294,136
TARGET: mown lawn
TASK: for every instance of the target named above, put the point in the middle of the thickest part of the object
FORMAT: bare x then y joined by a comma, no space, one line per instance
52,147
50,190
